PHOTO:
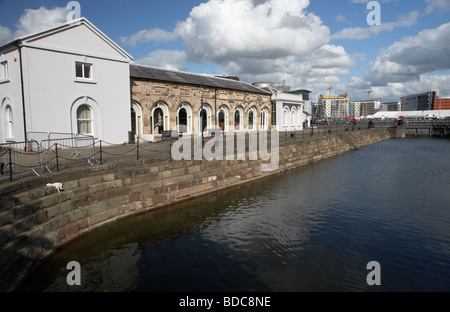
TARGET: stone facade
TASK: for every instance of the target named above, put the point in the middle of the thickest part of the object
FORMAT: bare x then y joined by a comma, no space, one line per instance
163,106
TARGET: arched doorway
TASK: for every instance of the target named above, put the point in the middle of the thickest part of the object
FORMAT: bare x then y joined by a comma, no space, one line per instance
222,118
159,118
184,118
136,119
204,118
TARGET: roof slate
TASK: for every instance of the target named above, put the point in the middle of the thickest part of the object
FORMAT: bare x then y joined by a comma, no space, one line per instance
153,73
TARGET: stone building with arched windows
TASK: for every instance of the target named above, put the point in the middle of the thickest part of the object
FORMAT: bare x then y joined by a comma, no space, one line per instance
166,100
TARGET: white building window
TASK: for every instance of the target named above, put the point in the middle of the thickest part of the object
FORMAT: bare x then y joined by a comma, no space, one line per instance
9,122
4,74
285,117
238,116
293,115
264,119
251,119
84,120
83,70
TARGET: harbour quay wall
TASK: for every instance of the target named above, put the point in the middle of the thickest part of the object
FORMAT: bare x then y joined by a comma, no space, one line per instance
35,220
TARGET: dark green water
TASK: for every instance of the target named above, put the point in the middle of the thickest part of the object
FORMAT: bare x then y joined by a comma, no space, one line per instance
312,229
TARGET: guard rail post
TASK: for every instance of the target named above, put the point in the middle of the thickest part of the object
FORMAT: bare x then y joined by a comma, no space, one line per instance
57,160
101,153
137,149
10,164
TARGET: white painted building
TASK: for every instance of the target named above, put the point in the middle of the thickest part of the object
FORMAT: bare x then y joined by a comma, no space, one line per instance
68,79
288,108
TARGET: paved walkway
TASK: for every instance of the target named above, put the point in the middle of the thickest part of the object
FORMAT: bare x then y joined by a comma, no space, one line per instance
104,153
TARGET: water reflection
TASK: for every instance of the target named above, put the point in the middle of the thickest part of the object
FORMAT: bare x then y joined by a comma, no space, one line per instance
311,229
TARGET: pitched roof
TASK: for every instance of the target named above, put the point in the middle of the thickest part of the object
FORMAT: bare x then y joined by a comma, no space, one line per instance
67,25
159,74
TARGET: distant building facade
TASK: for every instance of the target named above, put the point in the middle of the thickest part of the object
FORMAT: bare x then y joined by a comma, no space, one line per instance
288,107
364,108
441,104
165,100
418,102
332,107
69,79
390,107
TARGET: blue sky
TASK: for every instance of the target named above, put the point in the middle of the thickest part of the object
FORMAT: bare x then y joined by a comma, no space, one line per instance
308,44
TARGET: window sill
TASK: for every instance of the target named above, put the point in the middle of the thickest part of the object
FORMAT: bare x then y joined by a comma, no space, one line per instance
85,81
4,80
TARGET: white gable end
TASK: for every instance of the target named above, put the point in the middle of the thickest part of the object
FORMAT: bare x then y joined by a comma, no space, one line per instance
80,38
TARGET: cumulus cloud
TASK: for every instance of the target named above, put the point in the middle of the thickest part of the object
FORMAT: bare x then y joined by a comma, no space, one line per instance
411,57
33,21
37,20
222,31
254,39
316,71
395,90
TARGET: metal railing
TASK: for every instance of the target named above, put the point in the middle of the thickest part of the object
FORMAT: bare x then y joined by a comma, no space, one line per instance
56,151
59,151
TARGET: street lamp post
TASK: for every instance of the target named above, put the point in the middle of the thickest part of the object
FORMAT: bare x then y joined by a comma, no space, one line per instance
201,117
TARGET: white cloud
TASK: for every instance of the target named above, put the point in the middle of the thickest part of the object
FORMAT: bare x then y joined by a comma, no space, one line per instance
143,36
168,59
37,20
411,57
33,21
317,71
394,91
367,1
5,35
443,5
223,31
360,33
341,18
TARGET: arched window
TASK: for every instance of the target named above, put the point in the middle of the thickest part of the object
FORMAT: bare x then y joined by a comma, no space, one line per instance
264,119
293,116
238,115
9,122
285,116
84,120
251,119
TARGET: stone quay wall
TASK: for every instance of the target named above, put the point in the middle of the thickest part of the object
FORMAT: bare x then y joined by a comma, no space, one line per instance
36,220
